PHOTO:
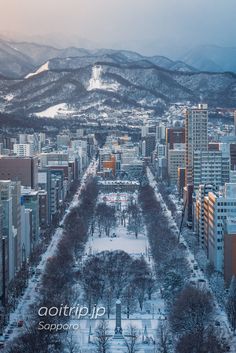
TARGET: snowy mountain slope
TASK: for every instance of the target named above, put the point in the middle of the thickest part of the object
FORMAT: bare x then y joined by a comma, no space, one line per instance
44,67
116,85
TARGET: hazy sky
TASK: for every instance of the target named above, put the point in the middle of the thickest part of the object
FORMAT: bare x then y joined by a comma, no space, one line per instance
144,25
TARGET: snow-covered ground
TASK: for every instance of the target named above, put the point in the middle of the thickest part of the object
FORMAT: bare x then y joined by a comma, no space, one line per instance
122,241
57,110
44,67
145,321
96,81
146,328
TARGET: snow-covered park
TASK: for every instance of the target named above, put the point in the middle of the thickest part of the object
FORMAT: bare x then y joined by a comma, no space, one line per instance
144,321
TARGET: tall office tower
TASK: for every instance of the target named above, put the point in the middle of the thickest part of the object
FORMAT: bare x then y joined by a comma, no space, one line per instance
30,200
202,191
23,169
7,230
148,144
196,125
229,249
144,130
16,222
176,160
210,167
161,133
217,207
235,121
233,155
174,135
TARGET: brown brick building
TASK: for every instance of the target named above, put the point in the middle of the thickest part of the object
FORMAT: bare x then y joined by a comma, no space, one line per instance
23,169
229,249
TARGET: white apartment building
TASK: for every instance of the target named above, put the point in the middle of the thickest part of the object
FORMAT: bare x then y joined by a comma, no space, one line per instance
160,133
196,135
176,159
210,167
23,149
202,191
217,207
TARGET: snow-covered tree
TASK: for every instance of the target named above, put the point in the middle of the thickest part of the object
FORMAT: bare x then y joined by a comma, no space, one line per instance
135,219
131,339
102,338
231,303
192,311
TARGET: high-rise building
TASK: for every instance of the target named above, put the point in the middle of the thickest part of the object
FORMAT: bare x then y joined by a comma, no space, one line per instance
176,160
23,169
233,156
23,150
174,135
210,167
7,229
52,181
229,249
181,181
235,121
148,144
218,206
30,200
54,159
63,140
232,176
43,208
161,133
202,191
26,233
16,222
196,136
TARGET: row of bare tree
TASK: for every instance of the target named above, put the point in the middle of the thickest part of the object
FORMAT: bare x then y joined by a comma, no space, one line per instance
216,279
171,266
111,275
106,219
57,281
191,313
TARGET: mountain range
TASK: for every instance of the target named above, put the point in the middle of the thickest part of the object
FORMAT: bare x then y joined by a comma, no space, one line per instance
211,58
17,59
34,78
